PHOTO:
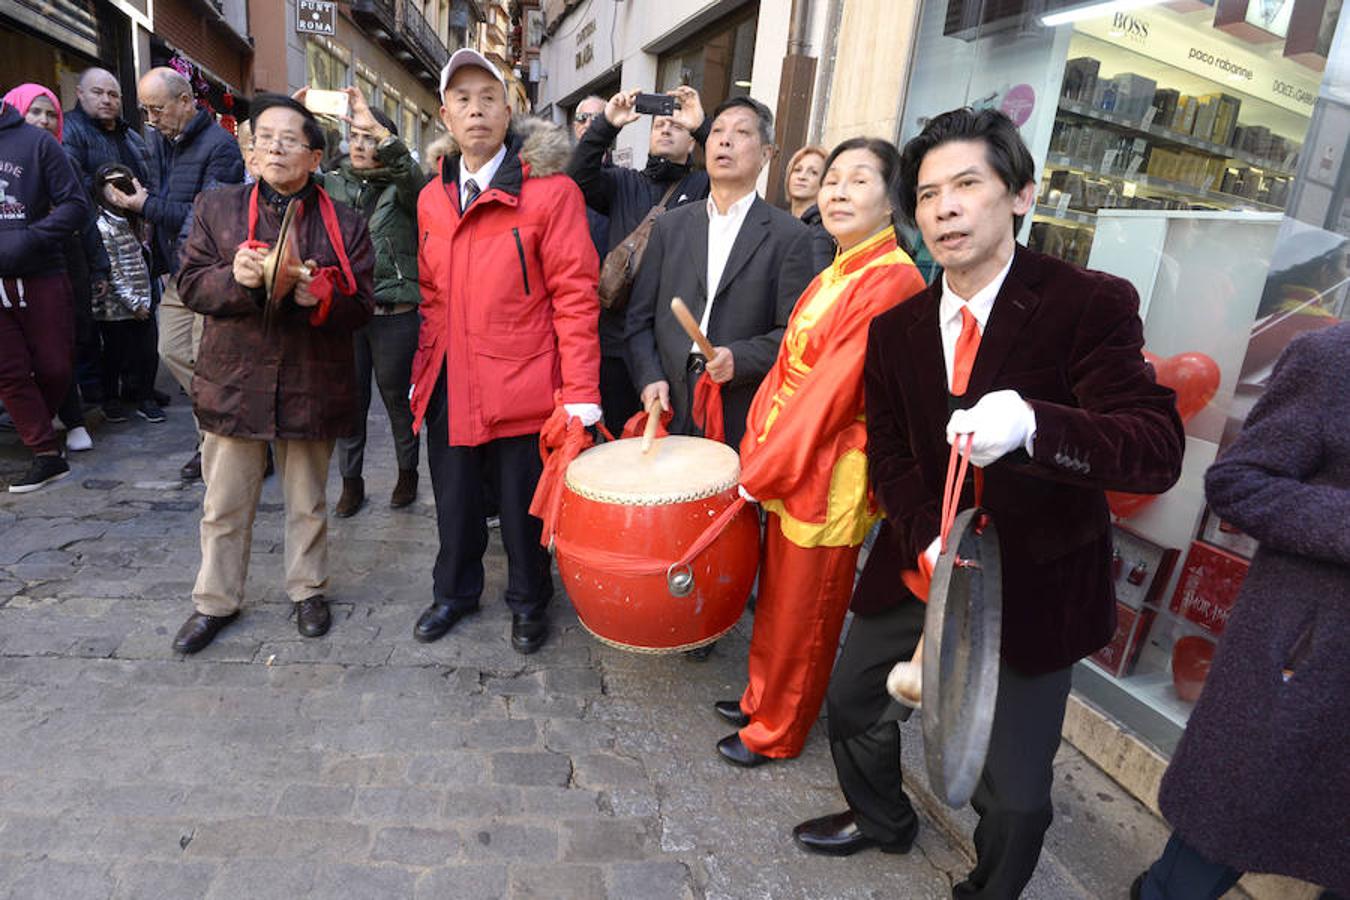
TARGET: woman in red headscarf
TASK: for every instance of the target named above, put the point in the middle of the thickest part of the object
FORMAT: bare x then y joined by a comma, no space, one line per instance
39,107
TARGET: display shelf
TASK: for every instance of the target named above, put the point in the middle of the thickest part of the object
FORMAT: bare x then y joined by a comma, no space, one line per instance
1074,217
1163,186
1154,689
1167,135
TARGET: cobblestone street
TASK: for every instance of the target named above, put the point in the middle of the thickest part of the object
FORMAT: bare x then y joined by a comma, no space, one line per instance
362,764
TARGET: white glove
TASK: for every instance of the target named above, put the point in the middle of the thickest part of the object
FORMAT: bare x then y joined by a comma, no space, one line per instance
1002,422
745,495
588,413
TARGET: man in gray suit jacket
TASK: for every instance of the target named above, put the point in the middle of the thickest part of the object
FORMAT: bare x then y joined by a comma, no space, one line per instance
737,262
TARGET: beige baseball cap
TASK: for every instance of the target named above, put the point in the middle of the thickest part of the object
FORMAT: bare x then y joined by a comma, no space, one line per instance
467,56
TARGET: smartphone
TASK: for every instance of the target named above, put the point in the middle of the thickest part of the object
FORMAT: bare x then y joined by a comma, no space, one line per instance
326,103
121,182
655,104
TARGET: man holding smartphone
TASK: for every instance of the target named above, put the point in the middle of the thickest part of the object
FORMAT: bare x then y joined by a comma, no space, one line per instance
626,196
189,152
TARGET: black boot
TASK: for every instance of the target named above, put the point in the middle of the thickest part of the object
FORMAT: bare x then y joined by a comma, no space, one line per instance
352,499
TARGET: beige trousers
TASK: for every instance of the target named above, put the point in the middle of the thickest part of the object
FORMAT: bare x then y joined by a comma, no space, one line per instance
180,337
233,471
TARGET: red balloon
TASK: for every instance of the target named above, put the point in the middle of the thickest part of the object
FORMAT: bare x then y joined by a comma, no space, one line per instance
1191,659
1195,378
1126,505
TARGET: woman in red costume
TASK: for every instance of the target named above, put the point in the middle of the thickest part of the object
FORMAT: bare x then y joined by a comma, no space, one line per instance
803,458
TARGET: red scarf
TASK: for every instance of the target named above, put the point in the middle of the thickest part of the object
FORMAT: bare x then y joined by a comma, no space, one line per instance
326,279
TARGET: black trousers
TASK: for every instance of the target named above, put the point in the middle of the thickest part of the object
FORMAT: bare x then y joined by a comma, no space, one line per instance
457,480
618,398
130,356
1013,796
384,348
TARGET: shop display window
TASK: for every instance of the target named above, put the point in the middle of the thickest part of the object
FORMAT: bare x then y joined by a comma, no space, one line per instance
1197,150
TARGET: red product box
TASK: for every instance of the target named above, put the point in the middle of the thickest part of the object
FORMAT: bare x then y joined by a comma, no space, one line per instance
1119,656
1208,587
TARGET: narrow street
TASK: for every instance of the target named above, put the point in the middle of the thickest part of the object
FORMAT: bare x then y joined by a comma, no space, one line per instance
362,764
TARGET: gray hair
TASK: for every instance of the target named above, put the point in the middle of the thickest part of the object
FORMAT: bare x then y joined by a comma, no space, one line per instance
763,115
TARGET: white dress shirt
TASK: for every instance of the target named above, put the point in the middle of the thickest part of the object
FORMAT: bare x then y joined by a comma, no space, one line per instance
980,305
722,232
949,313
483,177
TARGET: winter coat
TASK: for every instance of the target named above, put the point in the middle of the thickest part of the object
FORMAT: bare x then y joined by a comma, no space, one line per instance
41,202
509,304
387,197
204,155
1260,780
625,196
129,284
89,147
297,381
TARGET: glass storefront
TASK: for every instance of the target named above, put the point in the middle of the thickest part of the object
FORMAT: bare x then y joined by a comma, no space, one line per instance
1197,151
716,61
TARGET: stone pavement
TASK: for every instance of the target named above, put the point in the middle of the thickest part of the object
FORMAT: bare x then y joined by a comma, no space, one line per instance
364,764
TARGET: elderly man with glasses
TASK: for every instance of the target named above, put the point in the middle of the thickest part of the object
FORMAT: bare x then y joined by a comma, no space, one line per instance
189,152
278,369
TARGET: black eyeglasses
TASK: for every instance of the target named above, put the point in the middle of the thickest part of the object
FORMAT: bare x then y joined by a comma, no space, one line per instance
584,117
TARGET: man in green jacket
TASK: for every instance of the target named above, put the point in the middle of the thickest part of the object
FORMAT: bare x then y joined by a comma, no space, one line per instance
381,180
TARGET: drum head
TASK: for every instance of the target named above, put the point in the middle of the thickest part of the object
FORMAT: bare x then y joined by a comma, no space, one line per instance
962,633
676,469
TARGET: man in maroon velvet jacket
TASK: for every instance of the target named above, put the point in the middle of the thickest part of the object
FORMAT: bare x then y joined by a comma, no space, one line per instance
1063,407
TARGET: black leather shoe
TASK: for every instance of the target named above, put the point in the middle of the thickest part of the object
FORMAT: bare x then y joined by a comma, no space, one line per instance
313,617
192,469
839,835
736,753
437,620
528,633
199,630
731,711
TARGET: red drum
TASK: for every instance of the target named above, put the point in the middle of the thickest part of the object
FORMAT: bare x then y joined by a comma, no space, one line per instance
626,521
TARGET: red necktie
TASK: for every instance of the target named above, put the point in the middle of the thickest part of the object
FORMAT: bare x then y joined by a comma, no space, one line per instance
967,345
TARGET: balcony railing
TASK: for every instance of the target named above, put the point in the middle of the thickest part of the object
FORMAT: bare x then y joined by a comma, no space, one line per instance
377,16
423,41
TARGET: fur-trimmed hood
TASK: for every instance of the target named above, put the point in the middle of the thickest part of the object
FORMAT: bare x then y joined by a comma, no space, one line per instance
544,147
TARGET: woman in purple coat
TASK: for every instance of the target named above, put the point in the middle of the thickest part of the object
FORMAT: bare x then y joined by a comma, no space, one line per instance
1261,779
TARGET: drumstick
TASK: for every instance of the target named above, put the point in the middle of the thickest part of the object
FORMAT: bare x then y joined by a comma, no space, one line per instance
653,421
686,320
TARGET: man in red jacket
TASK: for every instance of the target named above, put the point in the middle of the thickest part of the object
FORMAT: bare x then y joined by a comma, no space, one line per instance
509,321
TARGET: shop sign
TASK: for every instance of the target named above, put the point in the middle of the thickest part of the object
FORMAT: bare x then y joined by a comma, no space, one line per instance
585,54
1209,54
315,17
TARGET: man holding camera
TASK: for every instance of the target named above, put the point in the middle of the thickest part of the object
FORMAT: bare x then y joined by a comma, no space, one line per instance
626,196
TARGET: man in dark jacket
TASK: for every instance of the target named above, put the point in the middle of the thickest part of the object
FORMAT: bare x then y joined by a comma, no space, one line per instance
625,196
95,134
737,262
41,203
1041,362
278,369
381,180
189,153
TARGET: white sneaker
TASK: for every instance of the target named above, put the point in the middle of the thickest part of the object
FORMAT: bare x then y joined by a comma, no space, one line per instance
57,424
78,439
